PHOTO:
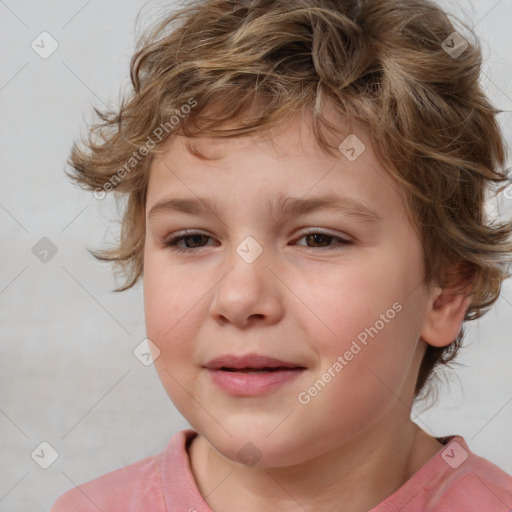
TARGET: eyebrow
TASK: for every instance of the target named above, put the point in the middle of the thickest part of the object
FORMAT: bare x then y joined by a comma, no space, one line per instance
282,206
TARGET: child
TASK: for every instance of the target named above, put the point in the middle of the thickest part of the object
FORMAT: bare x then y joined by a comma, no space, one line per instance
306,184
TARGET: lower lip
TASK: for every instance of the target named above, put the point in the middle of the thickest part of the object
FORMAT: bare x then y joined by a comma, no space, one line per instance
251,384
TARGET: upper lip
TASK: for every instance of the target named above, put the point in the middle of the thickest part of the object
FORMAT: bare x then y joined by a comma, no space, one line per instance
255,361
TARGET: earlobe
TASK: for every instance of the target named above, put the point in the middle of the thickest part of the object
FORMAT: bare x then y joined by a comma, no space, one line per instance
444,317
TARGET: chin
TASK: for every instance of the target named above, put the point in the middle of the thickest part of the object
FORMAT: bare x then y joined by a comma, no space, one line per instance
251,444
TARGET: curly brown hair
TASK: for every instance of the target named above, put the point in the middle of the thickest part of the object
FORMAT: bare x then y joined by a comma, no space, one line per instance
396,65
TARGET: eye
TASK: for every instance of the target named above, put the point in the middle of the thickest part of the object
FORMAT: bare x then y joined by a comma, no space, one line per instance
320,239
191,240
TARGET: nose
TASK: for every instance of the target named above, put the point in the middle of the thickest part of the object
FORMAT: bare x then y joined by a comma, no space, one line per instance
248,294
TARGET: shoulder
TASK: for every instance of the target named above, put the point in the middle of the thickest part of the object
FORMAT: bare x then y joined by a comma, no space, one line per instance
476,485
120,490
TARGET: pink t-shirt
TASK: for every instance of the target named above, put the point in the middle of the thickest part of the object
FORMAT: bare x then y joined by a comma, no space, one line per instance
454,480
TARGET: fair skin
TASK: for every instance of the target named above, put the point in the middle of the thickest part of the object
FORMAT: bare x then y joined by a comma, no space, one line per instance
304,299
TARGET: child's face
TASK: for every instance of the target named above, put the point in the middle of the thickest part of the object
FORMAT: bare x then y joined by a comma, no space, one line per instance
305,300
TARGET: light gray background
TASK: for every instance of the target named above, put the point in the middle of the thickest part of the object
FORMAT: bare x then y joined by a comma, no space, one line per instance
67,372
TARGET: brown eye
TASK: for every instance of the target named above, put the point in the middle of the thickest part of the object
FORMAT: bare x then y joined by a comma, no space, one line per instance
194,240
317,239
191,241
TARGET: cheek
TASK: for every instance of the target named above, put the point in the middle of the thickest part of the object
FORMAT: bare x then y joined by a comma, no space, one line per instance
168,296
168,314
369,317
345,303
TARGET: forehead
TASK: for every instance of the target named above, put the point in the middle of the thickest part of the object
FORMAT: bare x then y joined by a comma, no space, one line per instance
267,165
292,132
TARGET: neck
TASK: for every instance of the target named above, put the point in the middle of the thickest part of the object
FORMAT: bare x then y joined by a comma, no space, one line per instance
359,474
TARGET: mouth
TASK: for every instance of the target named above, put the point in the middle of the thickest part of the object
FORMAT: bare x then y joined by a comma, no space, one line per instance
257,370
251,363
251,375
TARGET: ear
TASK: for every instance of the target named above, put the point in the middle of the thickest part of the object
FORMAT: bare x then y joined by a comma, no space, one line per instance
445,316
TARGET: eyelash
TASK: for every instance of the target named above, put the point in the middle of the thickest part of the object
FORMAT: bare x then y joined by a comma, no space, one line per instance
172,242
